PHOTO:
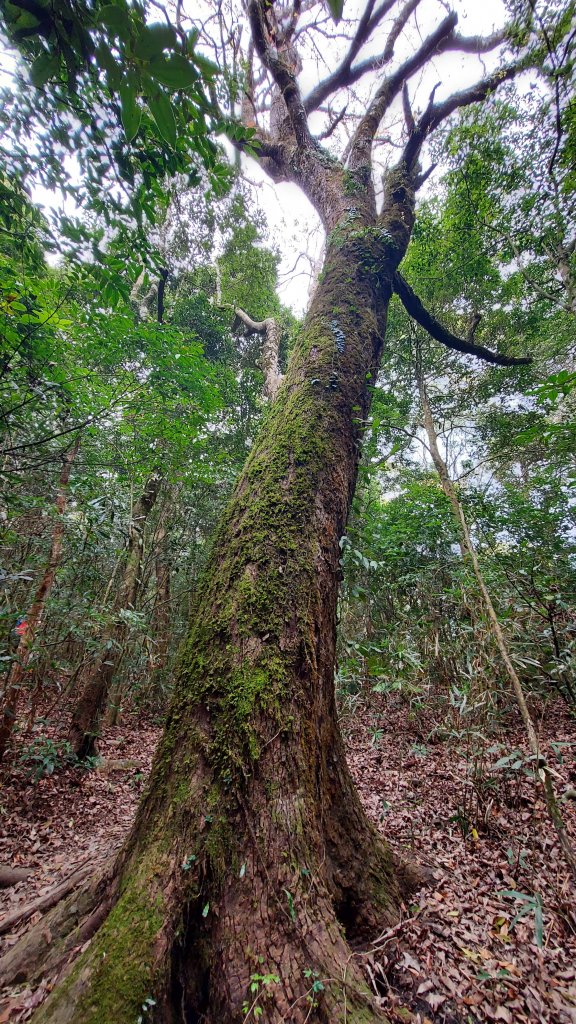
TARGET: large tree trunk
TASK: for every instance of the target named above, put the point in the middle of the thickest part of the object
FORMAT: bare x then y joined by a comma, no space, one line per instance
15,678
251,854
97,679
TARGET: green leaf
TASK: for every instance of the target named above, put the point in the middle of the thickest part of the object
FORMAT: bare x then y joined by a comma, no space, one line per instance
522,896
112,69
153,39
43,68
161,110
206,67
116,19
175,72
205,910
539,925
504,762
336,8
131,112
26,20
291,907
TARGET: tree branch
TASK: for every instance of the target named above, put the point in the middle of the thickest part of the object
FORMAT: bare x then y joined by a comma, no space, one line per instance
346,75
270,329
417,311
407,109
368,126
436,113
336,119
477,44
282,74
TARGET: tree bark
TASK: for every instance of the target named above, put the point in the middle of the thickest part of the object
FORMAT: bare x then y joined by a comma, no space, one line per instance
15,678
251,853
97,678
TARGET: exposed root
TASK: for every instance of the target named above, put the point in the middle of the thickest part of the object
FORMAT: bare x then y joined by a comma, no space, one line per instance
11,876
76,909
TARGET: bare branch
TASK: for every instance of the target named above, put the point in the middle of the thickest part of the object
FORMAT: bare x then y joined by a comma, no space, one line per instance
281,72
333,125
270,329
417,311
421,178
397,28
408,115
436,113
477,44
345,74
368,126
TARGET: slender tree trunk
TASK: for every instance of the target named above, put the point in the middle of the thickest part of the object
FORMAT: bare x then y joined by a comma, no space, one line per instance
469,554
161,617
251,854
15,679
97,678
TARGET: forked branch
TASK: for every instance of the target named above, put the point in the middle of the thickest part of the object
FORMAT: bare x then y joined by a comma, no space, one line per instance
436,113
391,86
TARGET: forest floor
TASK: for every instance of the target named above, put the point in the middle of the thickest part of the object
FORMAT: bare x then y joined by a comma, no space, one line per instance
462,953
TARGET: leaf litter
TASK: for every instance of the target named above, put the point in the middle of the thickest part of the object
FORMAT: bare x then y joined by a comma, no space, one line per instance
467,949
493,936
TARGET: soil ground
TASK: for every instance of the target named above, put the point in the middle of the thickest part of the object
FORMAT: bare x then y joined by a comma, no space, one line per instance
491,938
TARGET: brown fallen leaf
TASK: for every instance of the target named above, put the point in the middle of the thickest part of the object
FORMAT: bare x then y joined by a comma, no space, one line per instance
424,987
435,999
473,1000
410,963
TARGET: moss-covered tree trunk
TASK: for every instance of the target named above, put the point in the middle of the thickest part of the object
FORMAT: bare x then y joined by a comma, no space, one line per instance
251,857
97,678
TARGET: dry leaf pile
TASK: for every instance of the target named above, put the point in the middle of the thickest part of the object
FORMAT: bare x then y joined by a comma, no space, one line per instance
52,824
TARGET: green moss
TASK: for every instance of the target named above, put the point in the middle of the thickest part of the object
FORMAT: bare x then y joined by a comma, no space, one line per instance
120,965
358,1006
232,663
362,1015
125,977
182,792
356,182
